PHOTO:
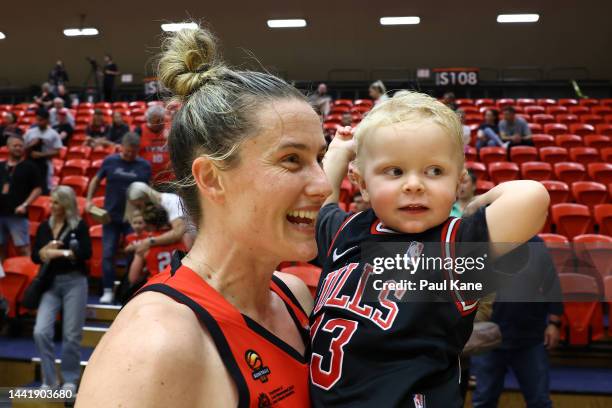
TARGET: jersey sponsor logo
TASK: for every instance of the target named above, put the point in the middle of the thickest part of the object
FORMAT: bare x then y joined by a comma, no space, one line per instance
336,255
255,363
263,401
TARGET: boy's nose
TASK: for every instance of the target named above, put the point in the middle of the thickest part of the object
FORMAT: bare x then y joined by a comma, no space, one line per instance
413,184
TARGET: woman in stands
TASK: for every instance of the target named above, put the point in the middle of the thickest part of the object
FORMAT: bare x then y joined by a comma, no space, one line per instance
488,131
63,243
222,328
378,92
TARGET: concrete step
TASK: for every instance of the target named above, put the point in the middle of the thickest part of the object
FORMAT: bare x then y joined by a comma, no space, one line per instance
99,312
92,335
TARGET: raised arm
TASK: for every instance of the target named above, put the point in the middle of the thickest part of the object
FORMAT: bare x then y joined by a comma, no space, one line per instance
335,163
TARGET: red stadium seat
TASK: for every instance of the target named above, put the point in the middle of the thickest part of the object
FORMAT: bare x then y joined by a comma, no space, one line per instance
571,219
555,129
78,152
581,129
333,118
579,110
137,105
556,110
340,109
40,209
583,317
120,105
608,296
75,167
479,169
472,119
462,102
4,154
308,274
492,154
78,184
536,171
588,102
589,193
567,118
606,154
484,101
535,127
534,110
363,102
604,129
569,172
603,218
101,189
482,186
95,233
543,118
347,191
20,271
568,141
522,154
595,249
597,141
500,172
591,119
600,172
484,108
101,152
553,155
94,168
584,155
601,110
343,102
501,103
542,140
546,102
525,101
58,165
471,154
567,102
560,250
559,191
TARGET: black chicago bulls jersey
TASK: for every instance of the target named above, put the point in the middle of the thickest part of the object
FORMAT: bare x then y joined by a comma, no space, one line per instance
391,352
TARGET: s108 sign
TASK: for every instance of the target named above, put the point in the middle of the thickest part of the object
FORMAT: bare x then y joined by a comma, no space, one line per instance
456,76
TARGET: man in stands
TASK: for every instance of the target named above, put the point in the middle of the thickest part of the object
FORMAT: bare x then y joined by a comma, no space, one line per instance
449,100
120,170
529,326
43,144
320,100
58,105
154,142
110,73
10,128
514,129
20,184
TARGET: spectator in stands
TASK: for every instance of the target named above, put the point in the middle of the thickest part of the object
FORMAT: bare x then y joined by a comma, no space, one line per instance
139,231
467,190
97,130
43,144
58,105
117,129
62,92
119,170
321,101
488,131
154,142
45,99
63,243
514,129
347,119
63,126
58,75
360,203
528,330
378,92
110,73
449,100
467,132
10,128
139,195
244,174
20,184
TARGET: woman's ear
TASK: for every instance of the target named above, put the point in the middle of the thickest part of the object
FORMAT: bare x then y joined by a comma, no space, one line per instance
207,178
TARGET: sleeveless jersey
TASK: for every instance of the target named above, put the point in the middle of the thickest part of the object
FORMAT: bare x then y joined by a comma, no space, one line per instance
154,149
388,353
267,371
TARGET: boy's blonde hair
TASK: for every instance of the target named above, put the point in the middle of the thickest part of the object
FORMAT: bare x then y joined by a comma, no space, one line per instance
407,106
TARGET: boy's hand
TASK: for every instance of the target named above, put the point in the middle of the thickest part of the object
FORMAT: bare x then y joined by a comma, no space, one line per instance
343,140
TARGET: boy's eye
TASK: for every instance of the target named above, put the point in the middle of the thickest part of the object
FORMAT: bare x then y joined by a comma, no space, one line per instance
394,171
434,171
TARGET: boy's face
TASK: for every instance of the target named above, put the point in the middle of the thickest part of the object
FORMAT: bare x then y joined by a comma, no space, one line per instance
410,174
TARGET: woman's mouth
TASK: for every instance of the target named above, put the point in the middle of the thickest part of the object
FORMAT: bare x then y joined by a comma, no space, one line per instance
303,220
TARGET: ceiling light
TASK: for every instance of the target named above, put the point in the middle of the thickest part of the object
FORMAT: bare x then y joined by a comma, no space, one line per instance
172,27
400,20
2,36
518,18
78,32
289,23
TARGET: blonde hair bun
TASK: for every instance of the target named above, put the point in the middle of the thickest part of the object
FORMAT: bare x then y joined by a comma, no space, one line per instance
189,57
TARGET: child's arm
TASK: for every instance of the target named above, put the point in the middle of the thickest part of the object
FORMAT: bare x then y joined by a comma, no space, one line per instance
136,268
517,211
336,160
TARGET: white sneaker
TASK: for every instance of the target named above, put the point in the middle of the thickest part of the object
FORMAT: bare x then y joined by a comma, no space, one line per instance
107,297
505,145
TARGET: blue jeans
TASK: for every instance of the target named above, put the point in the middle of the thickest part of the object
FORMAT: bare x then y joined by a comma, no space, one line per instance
492,139
68,293
530,366
111,234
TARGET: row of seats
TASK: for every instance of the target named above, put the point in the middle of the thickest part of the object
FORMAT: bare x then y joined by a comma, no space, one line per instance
502,102
548,154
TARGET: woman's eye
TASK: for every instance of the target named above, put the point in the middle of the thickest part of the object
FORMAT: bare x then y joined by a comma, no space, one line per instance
434,171
292,159
394,171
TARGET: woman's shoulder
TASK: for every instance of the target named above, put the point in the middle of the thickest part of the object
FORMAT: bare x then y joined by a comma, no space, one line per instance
299,289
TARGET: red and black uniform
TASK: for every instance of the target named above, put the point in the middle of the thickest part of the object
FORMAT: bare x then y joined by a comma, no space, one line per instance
154,149
158,257
394,352
267,371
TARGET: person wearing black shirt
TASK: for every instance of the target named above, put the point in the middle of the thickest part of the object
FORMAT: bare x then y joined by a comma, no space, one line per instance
117,129
58,75
110,72
10,128
45,99
63,127
63,243
20,184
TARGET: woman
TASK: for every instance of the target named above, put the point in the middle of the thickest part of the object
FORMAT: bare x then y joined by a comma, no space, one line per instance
224,329
488,131
378,92
97,130
63,243
139,195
